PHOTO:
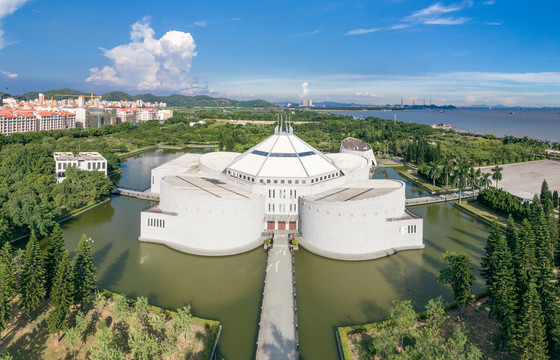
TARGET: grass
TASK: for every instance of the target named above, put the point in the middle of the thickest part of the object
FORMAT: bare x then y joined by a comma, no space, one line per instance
423,183
482,212
25,339
475,319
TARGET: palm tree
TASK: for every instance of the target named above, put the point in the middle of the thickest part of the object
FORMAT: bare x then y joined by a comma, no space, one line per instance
447,169
485,181
497,174
460,179
434,172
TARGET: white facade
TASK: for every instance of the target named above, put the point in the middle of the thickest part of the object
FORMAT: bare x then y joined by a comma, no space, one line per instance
91,161
219,203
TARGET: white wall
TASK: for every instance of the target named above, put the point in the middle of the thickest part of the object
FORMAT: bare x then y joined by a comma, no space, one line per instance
204,224
357,228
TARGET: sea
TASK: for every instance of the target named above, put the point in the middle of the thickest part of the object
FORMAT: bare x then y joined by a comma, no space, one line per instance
542,124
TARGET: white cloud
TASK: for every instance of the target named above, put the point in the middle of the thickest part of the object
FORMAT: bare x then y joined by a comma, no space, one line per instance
314,32
494,23
147,63
432,15
8,75
458,88
305,90
8,7
201,23
489,2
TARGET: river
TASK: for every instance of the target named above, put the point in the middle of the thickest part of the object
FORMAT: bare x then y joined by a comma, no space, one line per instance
534,123
330,293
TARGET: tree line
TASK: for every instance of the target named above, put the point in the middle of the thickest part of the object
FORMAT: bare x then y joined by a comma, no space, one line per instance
54,284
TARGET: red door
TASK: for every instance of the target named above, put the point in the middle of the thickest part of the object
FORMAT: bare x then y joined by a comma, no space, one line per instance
281,225
270,225
293,225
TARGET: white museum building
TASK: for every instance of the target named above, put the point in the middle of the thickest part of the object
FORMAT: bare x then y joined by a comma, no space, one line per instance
220,203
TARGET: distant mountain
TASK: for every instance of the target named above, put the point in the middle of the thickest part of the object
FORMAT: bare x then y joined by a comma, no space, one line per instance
171,100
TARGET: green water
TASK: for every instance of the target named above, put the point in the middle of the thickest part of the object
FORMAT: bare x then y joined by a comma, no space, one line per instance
333,293
226,288
329,293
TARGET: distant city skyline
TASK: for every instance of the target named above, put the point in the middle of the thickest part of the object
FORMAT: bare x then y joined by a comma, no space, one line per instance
462,53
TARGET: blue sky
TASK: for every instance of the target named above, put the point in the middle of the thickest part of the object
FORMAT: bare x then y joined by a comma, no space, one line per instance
368,52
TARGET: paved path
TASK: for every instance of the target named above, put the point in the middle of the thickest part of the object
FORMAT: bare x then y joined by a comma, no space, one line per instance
277,332
439,198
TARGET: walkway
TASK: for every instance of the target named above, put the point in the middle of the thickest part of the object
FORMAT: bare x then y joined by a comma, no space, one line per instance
278,330
146,195
439,198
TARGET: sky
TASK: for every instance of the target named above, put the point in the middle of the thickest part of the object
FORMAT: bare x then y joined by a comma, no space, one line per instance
367,52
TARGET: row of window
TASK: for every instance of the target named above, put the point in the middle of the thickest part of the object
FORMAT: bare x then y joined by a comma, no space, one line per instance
281,208
241,176
282,194
326,177
281,181
97,165
156,222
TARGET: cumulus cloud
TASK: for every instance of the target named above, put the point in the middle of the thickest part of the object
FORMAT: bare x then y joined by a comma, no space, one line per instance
148,63
8,7
432,15
8,75
305,90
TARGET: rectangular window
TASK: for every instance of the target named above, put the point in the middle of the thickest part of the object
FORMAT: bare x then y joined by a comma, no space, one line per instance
268,181
262,181
303,181
289,181
59,166
89,166
276,181
281,181
152,180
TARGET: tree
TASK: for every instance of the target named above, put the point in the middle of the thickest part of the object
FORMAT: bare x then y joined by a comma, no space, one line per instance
5,297
61,297
141,309
434,172
555,199
54,255
7,260
531,331
488,261
503,296
120,308
459,275
72,339
403,317
545,192
525,257
183,321
447,170
497,174
84,272
82,324
511,234
460,179
31,277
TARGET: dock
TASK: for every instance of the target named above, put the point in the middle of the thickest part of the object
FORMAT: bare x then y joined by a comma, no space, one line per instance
278,338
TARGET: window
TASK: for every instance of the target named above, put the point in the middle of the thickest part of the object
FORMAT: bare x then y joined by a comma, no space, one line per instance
311,181
89,166
262,181
276,181
59,166
303,181
268,181
152,179
297,181
289,181
281,181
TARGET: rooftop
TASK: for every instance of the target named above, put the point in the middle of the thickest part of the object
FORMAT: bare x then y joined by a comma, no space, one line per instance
355,144
357,191
208,187
283,155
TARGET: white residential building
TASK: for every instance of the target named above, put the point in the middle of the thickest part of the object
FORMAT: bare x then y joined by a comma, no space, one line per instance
92,161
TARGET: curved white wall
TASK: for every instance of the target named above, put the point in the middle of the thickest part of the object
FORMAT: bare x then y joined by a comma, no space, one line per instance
204,224
361,229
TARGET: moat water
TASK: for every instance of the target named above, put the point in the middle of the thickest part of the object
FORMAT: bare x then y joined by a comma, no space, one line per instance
330,293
